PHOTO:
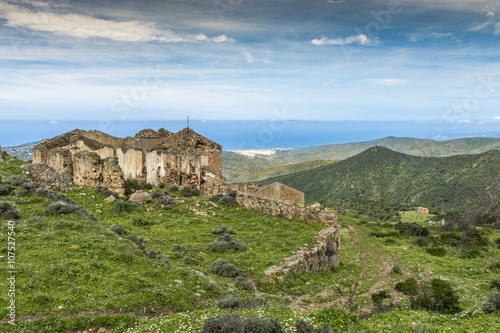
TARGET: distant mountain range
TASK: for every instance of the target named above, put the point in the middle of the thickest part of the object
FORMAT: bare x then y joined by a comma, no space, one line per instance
23,151
241,166
442,184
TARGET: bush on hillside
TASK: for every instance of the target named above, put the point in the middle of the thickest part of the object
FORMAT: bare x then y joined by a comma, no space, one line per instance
140,221
303,327
157,194
226,243
29,188
436,251
122,206
378,297
188,192
6,189
118,229
232,323
224,268
408,287
247,303
439,296
16,180
167,202
241,282
493,304
222,230
105,192
57,208
8,211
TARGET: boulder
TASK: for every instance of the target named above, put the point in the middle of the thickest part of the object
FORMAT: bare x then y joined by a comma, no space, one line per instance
140,197
109,199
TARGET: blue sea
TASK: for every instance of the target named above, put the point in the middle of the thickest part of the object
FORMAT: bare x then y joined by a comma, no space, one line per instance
252,135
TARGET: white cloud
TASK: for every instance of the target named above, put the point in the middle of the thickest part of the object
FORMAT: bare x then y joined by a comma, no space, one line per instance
387,82
496,119
413,38
54,122
497,29
441,34
359,39
83,26
490,13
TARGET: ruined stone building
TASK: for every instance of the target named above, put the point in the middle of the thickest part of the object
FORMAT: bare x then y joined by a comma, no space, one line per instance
281,192
92,158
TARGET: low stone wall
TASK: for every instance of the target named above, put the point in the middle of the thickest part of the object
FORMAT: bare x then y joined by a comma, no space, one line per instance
324,255
287,209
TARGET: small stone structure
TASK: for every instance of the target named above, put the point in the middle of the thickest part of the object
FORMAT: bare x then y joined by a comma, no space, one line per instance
423,210
47,176
92,158
282,192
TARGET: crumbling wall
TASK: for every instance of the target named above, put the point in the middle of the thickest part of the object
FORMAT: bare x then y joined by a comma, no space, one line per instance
46,175
280,191
324,255
287,209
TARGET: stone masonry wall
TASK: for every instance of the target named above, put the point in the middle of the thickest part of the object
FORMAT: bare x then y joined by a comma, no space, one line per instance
324,255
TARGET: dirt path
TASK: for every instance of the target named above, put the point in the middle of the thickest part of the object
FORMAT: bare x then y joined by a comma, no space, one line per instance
365,255
490,259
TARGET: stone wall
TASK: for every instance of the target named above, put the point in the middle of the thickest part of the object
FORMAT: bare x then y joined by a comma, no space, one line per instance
280,191
324,255
288,209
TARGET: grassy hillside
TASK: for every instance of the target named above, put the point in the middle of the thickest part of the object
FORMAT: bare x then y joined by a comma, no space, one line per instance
380,174
281,171
84,264
236,165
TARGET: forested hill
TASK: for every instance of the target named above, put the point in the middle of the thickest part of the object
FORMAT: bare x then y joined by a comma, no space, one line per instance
439,183
237,166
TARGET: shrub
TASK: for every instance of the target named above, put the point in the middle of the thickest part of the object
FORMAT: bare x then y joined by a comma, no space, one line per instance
162,185
8,211
226,243
57,208
303,327
166,202
118,229
423,241
493,304
6,189
412,229
29,188
141,221
438,296
235,302
397,270
240,281
335,317
228,201
122,206
173,188
139,241
147,186
390,241
105,192
408,287
132,185
159,256
378,297
224,268
495,284
495,267
436,251
216,197
16,180
471,253
188,192
222,230
232,323
158,194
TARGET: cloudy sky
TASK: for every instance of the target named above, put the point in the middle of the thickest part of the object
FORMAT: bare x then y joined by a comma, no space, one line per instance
371,60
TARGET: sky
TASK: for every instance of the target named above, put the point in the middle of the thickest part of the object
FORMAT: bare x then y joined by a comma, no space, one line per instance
110,62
